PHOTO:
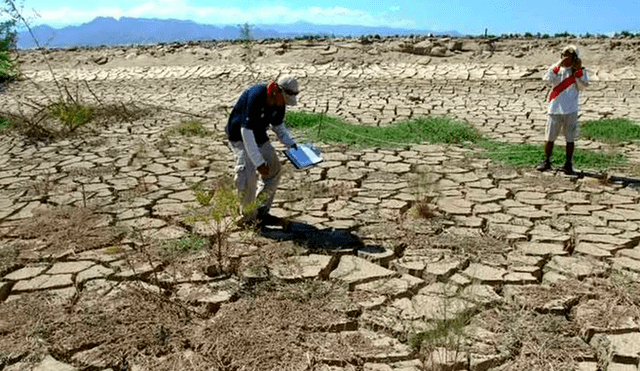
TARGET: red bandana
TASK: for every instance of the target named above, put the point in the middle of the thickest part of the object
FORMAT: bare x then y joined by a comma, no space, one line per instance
273,89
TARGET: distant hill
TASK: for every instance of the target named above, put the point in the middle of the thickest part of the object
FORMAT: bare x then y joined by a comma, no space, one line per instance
127,31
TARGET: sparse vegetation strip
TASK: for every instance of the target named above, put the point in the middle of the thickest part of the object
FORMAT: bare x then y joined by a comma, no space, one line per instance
615,130
323,128
8,68
527,155
319,127
190,128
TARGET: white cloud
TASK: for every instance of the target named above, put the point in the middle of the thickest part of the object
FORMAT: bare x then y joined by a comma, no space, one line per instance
181,9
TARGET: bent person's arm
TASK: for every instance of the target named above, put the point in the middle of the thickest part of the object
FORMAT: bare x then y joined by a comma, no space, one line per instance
250,145
284,136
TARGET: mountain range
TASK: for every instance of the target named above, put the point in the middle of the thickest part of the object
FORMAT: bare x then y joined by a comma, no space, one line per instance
109,31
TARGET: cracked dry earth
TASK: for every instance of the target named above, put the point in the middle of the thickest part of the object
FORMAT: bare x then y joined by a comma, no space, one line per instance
423,257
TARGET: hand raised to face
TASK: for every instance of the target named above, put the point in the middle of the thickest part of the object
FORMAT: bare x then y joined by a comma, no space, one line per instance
577,64
566,61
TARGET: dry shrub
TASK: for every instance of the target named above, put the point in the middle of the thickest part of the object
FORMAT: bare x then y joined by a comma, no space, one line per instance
612,291
32,125
119,112
68,228
193,163
622,286
142,187
69,116
132,324
41,186
425,208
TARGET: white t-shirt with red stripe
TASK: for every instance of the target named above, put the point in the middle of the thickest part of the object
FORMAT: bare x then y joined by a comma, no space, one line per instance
567,101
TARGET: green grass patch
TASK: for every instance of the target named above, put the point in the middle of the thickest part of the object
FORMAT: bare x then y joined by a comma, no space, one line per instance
448,333
443,130
528,155
71,115
328,129
8,70
190,128
185,244
614,130
4,123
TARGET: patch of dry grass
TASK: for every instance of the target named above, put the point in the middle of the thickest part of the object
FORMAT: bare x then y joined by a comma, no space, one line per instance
68,117
612,303
309,190
544,341
534,341
193,163
62,229
128,325
9,258
279,326
132,323
25,325
535,297
483,248
272,326
106,114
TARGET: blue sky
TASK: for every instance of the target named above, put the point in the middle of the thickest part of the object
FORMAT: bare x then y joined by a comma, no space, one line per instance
465,16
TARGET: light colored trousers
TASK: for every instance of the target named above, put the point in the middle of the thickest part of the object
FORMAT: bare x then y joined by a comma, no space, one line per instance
246,178
565,123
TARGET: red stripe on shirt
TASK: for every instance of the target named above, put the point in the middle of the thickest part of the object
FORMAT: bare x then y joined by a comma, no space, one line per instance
558,89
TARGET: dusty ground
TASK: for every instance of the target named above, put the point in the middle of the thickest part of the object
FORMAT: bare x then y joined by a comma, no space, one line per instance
532,52
423,257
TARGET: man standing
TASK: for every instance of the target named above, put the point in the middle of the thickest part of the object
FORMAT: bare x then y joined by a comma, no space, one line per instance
260,107
566,78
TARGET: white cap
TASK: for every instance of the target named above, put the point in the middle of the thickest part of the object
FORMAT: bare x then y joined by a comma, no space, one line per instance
289,87
572,49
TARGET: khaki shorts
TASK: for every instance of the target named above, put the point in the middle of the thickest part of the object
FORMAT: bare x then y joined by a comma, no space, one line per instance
568,124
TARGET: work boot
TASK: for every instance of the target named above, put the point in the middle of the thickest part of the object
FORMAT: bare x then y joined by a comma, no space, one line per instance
268,219
544,165
568,168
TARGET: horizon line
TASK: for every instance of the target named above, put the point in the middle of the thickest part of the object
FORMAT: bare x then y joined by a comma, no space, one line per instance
431,31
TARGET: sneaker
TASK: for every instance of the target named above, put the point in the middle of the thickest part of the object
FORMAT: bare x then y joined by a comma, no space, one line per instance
568,168
544,165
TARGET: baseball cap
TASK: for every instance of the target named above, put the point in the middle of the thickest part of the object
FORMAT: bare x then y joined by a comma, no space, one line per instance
289,86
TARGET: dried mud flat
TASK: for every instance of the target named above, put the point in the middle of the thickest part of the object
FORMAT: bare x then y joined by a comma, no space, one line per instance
419,257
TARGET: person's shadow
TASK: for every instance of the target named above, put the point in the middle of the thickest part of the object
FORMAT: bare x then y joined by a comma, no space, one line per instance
630,182
313,238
